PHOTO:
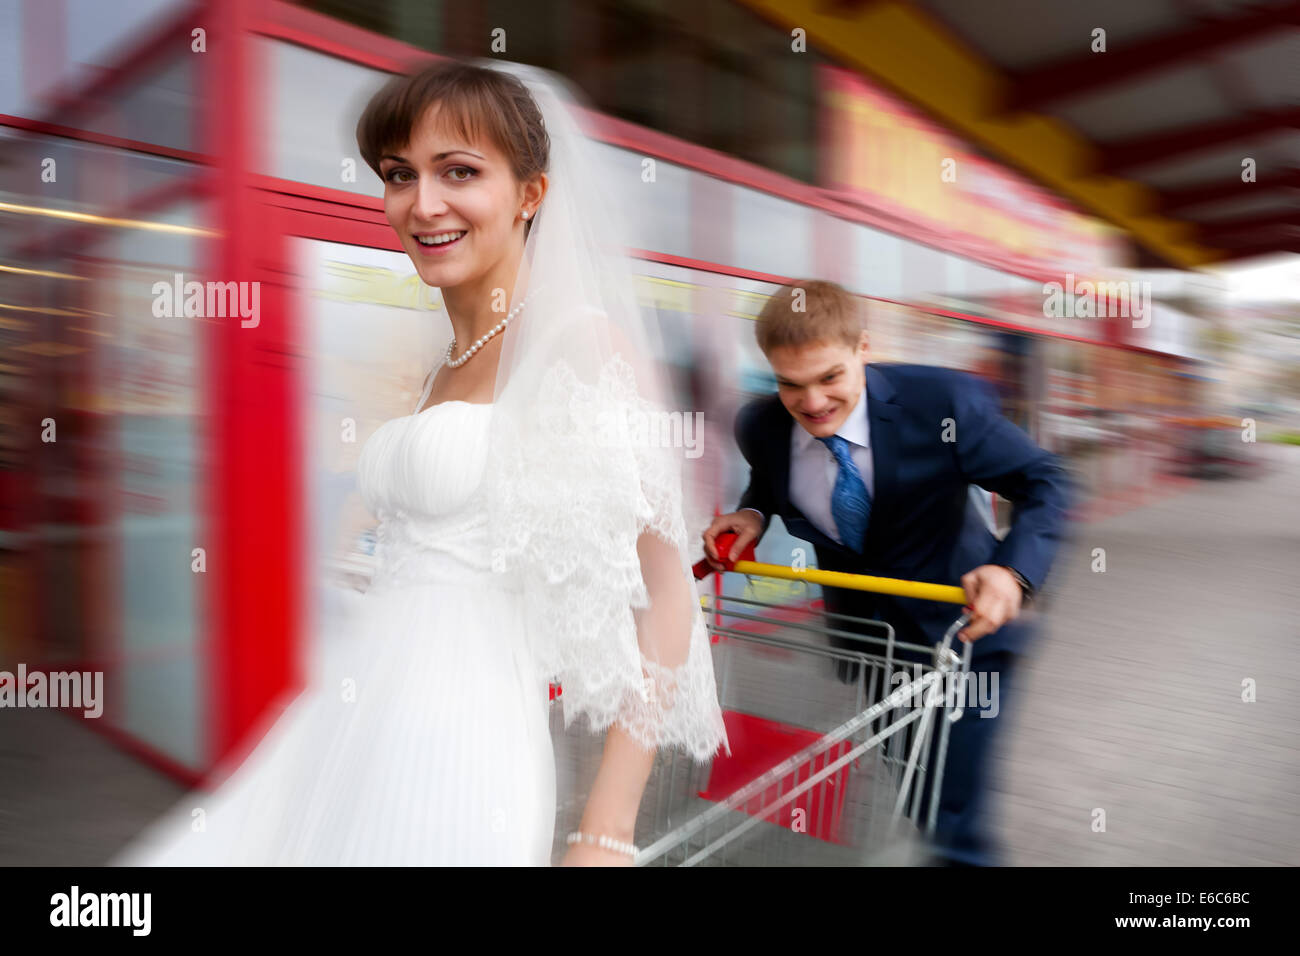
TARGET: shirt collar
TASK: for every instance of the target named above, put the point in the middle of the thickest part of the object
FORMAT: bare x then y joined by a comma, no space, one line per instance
855,428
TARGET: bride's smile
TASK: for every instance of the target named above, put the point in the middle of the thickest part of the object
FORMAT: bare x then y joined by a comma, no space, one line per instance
460,204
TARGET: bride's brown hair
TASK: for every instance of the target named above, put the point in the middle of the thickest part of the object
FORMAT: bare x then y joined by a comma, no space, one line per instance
473,100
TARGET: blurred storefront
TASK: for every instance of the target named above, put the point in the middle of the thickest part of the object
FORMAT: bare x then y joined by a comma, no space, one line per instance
196,521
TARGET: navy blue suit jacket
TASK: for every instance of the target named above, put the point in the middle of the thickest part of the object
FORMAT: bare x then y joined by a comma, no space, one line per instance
921,527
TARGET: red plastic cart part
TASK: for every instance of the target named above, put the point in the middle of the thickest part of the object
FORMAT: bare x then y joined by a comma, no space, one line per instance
724,541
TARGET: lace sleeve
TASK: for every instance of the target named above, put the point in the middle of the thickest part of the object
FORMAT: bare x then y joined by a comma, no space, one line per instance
589,507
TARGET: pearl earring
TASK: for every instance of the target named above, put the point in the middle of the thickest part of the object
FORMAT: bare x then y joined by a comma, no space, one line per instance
524,214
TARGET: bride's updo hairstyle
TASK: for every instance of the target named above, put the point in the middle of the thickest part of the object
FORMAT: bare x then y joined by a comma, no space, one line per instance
475,101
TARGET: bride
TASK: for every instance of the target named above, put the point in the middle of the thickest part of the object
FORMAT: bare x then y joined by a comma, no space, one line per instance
526,535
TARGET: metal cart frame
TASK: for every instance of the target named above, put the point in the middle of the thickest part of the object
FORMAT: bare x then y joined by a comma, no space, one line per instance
886,734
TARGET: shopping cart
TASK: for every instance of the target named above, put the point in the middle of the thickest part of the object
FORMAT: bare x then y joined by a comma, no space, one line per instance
825,769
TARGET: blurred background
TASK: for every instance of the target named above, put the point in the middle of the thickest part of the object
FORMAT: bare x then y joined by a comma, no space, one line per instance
970,170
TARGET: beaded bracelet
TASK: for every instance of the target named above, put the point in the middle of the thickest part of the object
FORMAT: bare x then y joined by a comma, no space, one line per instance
608,843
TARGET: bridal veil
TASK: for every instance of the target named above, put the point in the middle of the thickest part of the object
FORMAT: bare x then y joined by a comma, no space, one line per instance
585,495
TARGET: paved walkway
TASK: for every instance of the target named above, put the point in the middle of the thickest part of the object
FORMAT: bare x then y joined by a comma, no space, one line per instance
1133,703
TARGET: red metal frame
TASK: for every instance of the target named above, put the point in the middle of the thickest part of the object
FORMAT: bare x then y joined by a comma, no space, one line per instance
255,607
44,128
278,20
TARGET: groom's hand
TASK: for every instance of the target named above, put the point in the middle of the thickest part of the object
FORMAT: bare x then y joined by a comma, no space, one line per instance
746,524
994,595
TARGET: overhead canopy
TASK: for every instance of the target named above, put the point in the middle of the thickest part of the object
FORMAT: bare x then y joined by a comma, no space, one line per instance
1154,134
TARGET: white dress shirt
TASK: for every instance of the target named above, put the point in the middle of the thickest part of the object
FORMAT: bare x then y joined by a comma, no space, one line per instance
813,469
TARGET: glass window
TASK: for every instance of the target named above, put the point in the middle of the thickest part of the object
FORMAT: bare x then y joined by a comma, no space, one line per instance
37,59
148,381
314,102
771,234
879,262
658,213
713,73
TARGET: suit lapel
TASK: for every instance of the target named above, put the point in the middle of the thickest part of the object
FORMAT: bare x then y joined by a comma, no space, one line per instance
883,415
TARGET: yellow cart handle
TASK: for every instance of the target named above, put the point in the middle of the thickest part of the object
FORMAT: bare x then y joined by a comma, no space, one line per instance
947,593
857,582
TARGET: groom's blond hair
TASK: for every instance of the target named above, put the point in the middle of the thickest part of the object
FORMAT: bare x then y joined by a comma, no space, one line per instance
809,311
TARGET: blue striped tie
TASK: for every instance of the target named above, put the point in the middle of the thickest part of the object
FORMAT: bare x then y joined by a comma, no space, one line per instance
850,502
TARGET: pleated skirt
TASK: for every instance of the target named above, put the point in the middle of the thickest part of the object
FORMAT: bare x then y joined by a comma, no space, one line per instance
421,739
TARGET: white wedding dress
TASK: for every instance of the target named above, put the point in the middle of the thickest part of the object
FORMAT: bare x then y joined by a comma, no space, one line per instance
423,737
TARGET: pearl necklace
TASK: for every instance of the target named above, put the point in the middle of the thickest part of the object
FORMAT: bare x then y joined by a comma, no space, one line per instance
483,340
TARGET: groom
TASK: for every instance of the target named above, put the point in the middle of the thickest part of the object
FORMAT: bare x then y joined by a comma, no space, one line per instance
873,464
